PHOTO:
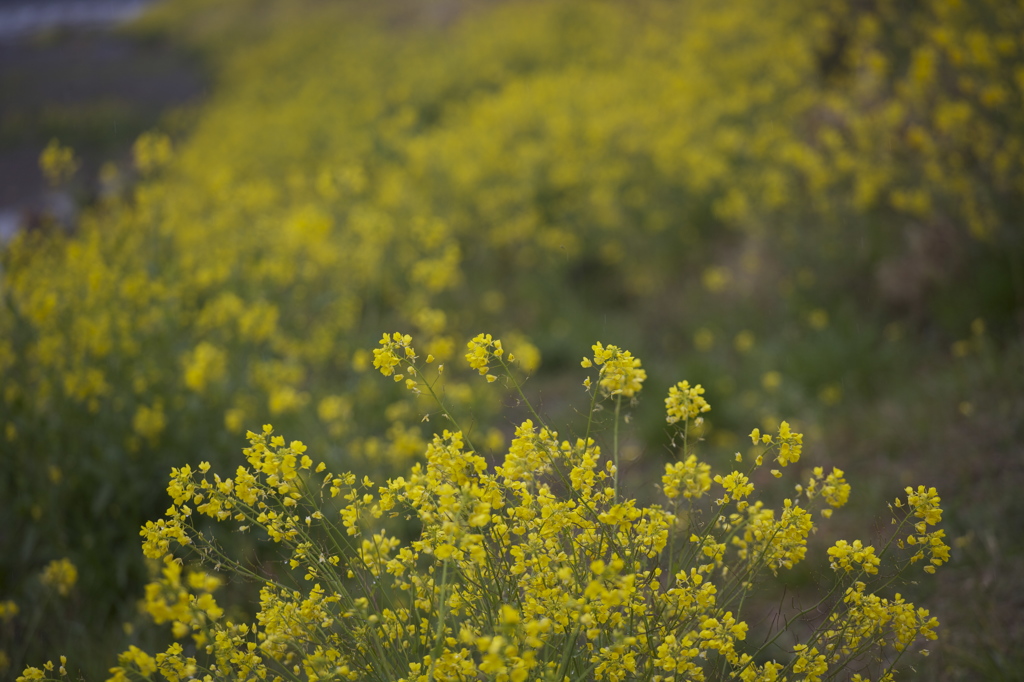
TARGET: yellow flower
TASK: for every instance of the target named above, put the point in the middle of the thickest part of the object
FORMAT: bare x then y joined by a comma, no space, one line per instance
393,350
204,366
744,341
150,422
685,402
60,575
152,151
482,349
620,373
789,443
847,557
690,478
8,610
57,162
704,339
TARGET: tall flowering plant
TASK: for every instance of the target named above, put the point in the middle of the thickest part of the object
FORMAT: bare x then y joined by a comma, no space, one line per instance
537,567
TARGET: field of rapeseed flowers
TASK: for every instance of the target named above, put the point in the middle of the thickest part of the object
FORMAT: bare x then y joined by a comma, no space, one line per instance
809,209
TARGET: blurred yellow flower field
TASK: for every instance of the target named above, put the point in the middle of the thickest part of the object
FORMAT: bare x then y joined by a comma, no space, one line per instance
809,209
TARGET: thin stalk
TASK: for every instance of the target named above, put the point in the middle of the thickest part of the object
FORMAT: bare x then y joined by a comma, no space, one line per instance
570,646
675,508
615,447
522,396
441,617
440,403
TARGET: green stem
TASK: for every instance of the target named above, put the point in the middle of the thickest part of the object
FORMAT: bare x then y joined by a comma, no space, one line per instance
34,622
447,413
570,646
441,617
522,396
615,446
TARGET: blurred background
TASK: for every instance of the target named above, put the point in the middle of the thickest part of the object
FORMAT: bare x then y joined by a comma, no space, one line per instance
211,209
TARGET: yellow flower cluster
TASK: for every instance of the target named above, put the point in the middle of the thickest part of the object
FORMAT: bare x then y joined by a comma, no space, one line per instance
689,477
58,163
393,351
924,503
8,610
60,575
776,543
871,617
533,569
43,673
620,374
482,350
856,556
832,488
949,99
173,600
787,445
685,402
